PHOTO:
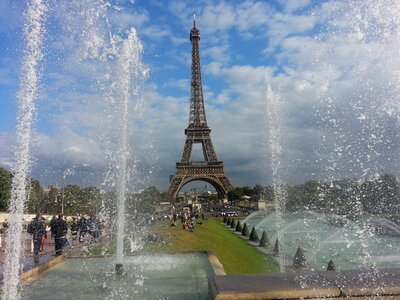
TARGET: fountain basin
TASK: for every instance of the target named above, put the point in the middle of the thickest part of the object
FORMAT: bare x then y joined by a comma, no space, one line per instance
161,276
324,238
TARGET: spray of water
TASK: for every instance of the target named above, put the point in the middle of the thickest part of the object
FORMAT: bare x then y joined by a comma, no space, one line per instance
29,82
274,124
129,69
120,101
357,133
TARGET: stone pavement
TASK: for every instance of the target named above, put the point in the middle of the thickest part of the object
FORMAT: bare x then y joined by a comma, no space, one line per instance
46,255
27,259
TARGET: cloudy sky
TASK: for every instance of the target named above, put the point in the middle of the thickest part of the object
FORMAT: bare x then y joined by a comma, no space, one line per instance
294,89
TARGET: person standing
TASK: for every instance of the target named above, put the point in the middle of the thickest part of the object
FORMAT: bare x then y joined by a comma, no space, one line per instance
93,228
44,236
5,224
60,232
52,223
83,228
74,228
37,229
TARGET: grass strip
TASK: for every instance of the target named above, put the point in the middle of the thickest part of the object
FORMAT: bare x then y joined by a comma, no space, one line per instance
235,254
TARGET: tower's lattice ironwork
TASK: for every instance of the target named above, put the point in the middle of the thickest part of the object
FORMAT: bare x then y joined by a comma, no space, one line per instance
210,170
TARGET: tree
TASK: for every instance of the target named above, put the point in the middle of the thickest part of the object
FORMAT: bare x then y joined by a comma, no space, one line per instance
390,192
88,201
70,199
5,188
248,191
51,201
152,194
36,201
235,194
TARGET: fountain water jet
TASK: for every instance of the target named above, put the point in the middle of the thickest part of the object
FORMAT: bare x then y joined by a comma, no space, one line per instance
129,68
274,127
29,82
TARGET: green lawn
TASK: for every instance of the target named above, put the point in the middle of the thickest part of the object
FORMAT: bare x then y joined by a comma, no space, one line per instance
235,254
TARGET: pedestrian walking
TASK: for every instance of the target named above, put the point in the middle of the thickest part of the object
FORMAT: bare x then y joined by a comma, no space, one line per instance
60,232
37,229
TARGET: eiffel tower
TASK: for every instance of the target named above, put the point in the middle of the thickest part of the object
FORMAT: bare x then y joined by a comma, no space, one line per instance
210,170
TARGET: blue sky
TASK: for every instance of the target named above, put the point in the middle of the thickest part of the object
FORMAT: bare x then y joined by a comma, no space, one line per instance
318,78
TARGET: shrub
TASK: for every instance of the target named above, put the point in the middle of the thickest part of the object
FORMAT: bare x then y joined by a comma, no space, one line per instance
264,240
239,227
233,224
253,235
276,248
299,261
245,230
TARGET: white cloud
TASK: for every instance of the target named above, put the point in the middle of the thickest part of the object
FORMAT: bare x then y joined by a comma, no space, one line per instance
217,17
7,142
282,25
181,84
293,5
338,80
156,32
252,14
218,53
223,97
126,19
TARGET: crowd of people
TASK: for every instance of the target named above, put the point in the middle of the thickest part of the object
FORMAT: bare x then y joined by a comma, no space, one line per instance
80,227
83,228
188,219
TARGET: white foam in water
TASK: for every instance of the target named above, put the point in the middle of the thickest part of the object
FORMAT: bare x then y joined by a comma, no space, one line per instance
29,81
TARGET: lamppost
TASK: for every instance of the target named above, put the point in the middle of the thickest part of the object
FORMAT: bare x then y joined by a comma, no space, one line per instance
67,172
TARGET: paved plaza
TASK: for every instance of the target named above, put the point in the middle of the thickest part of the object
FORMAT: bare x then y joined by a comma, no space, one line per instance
48,253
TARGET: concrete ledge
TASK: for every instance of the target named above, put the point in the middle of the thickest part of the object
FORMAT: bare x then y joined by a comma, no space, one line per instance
216,264
351,284
366,282
41,267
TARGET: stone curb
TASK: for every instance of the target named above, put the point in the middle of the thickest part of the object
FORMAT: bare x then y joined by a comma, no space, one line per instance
40,268
216,264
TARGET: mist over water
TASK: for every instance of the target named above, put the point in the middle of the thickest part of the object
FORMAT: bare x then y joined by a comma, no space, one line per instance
359,135
352,77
